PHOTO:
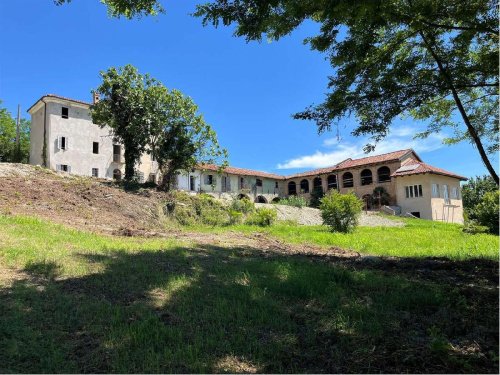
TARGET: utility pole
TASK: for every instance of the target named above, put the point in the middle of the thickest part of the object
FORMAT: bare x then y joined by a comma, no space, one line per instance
18,135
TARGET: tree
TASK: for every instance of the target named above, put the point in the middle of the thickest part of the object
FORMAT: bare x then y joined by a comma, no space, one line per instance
127,8
341,212
9,152
179,137
473,192
430,59
487,211
122,106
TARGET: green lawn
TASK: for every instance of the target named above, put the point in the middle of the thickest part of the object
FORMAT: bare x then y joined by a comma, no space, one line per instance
418,238
77,302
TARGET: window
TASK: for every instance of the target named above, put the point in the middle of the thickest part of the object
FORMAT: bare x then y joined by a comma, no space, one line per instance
332,182
435,190
413,191
62,143
455,193
258,182
95,172
242,183
152,178
276,185
416,214
95,147
384,174
117,153
292,188
64,112
347,180
317,183
209,179
63,168
366,177
304,186
192,183
445,194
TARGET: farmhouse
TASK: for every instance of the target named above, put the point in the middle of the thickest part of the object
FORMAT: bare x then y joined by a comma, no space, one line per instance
63,138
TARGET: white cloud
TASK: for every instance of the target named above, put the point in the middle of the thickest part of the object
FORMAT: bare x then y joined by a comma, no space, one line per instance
399,139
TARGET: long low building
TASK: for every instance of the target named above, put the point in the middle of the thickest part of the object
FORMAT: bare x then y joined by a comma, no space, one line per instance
63,138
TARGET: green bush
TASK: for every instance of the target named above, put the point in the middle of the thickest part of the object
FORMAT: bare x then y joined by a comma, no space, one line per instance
244,205
472,227
293,200
486,212
316,195
263,217
341,211
235,217
189,209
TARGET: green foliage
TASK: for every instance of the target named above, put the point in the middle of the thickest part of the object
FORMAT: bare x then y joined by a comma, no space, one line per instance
146,117
431,60
122,107
244,205
487,211
263,217
128,8
380,195
235,217
472,227
341,211
8,149
316,195
473,191
294,201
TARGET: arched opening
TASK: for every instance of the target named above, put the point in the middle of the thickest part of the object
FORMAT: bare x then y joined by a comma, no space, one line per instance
332,182
292,188
243,196
304,186
260,199
117,175
276,200
366,177
384,174
318,183
347,180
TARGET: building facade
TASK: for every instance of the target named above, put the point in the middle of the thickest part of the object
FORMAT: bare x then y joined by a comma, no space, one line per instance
63,138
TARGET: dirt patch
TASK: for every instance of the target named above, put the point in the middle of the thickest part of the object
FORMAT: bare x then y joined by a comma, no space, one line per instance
312,216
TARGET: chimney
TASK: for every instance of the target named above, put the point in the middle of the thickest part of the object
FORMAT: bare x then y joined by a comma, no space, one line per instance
95,97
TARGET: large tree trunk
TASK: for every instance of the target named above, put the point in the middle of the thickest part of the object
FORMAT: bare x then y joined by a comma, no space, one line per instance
130,160
470,128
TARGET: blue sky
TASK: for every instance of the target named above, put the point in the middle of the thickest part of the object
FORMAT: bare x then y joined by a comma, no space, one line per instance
247,92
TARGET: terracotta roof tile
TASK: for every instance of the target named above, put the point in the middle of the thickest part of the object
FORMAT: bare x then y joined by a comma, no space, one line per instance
420,168
59,97
241,171
352,163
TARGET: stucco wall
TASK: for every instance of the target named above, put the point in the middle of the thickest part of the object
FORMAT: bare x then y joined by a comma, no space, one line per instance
36,136
429,207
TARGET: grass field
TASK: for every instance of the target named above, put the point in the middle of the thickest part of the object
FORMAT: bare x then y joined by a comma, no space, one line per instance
72,301
418,238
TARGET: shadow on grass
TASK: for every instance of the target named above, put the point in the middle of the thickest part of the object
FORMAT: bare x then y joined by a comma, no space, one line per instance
210,309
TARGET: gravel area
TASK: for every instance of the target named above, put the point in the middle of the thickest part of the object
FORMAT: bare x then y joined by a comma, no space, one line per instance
312,216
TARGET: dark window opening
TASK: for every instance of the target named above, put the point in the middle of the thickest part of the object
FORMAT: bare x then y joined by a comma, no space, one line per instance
64,112
332,182
292,188
209,180
384,174
304,186
416,214
95,172
366,177
347,180
276,186
317,183
258,182
63,143
260,199
95,147
192,185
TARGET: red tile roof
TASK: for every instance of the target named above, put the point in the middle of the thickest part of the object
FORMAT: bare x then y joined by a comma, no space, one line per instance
241,171
352,163
59,97
421,168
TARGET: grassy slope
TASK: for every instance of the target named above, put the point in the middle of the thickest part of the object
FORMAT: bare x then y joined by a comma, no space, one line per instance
418,238
89,303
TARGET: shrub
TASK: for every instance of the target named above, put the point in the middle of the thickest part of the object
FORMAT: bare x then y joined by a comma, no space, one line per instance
294,201
263,217
316,195
472,227
380,195
341,211
189,209
235,217
486,212
244,205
